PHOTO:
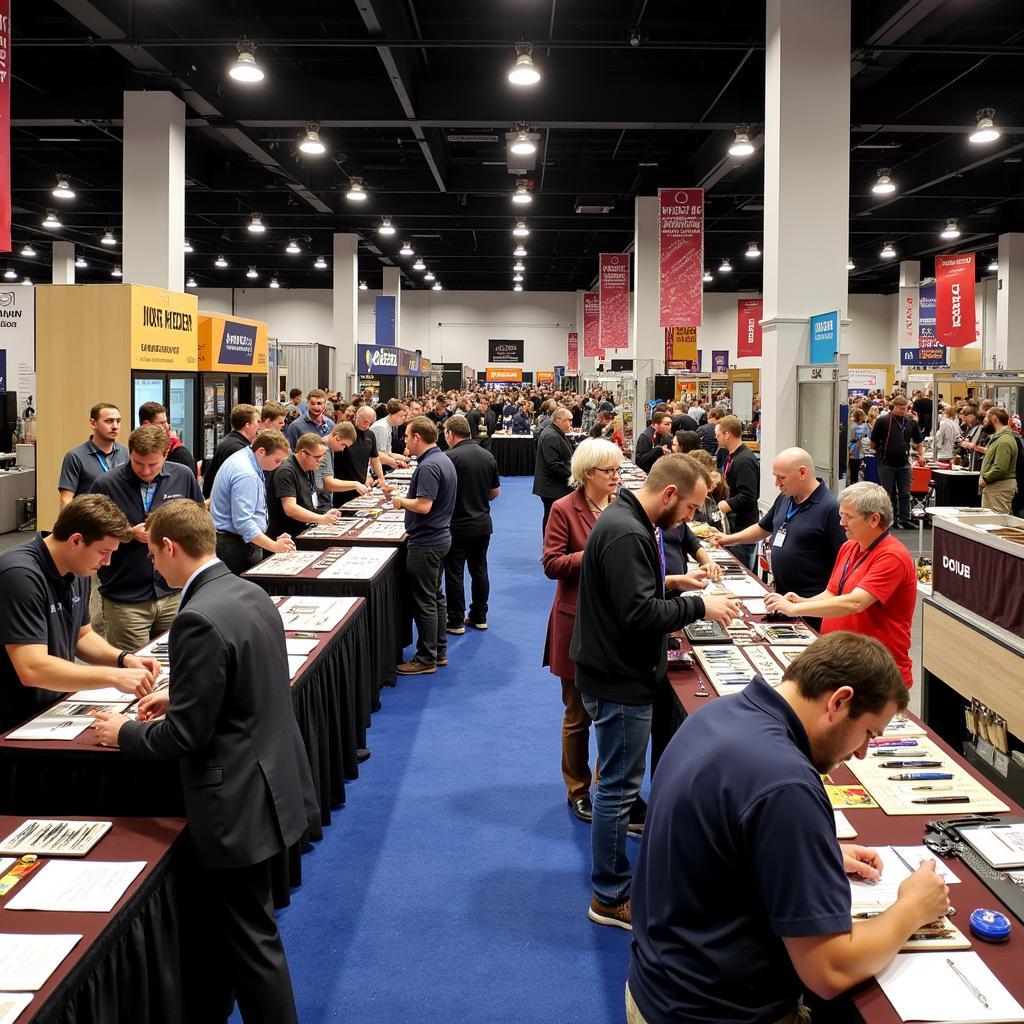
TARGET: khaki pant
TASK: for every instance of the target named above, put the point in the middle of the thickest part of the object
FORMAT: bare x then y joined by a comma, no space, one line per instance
998,496
131,626
800,1015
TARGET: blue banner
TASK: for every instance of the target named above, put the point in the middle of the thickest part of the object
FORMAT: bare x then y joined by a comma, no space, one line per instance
378,360
932,356
237,343
384,319
926,315
825,337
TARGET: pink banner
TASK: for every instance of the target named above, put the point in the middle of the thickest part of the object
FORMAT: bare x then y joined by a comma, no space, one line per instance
748,327
572,360
681,255
5,126
954,299
613,288
591,323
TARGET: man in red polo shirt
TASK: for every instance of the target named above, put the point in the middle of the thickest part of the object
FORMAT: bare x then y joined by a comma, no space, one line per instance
873,587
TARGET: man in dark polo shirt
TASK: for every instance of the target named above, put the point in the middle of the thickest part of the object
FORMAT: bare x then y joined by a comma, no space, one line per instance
44,614
156,414
478,485
741,895
803,525
428,505
292,499
358,458
137,603
99,454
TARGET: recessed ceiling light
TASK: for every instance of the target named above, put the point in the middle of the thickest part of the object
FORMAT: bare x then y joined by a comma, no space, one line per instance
356,192
741,144
520,250
386,227
522,195
63,190
752,251
708,276
888,251
273,283
363,286
321,263
292,248
883,183
993,266
523,145
52,221
108,238
725,268
986,131
517,287
116,272
519,267
419,265
11,274
220,262
81,262
406,250
436,287
252,272
27,250
849,263
520,230
523,72
188,246
950,231
191,283
245,69
311,144
256,225
429,276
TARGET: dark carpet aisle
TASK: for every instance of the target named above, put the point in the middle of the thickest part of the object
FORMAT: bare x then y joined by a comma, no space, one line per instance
454,884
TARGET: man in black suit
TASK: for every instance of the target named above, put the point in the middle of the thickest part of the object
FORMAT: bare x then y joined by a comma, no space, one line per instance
229,720
554,457
654,441
482,423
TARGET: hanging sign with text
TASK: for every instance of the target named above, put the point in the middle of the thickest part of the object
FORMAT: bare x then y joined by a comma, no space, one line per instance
613,289
681,255
954,299
232,343
680,347
748,327
591,323
931,356
824,337
164,329
503,350
910,328
719,360
5,125
572,359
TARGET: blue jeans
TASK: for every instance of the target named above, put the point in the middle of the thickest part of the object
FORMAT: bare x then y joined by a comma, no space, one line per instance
623,732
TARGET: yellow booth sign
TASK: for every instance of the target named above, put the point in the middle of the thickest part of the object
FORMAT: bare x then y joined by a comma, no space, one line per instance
232,343
164,329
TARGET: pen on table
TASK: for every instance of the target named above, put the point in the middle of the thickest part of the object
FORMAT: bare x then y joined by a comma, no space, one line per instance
921,777
975,991
911,764
942,800
944,789
897,752
882,741
304,636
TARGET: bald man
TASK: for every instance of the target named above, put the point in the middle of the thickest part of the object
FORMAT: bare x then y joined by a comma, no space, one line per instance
354,461
803,525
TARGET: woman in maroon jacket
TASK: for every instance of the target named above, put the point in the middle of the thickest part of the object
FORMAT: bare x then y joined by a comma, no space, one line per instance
595,479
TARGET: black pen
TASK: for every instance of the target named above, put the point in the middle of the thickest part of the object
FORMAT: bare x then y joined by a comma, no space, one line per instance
942,800
911,764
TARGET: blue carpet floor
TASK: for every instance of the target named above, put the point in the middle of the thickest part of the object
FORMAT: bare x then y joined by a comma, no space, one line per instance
454,884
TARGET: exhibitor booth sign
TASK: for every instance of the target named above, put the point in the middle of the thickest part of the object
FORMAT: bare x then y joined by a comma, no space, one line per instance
680,256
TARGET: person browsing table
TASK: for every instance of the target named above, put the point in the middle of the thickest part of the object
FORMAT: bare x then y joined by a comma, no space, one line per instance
740,471
292,503
355,461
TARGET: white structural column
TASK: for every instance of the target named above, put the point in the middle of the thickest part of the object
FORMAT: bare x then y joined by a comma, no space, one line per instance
648,335
63,263
393,286
1009,347
154,190
345,268
806,198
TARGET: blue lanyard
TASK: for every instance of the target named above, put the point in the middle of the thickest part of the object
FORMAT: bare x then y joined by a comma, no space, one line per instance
148,494
311,477
103,461
794,510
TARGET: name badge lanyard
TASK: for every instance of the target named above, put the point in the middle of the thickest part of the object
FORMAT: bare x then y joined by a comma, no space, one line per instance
148,496
780,534
103,461
848,570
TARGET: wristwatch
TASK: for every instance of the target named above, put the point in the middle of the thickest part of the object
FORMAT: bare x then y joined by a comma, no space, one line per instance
120,658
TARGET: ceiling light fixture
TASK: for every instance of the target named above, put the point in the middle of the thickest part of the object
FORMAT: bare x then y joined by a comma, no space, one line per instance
386,227
950,231
752,251
517,287
429,276
27,250
363,286
888,252
292,248
993,266
116,272
436,287
406,250
519,266
63,190
27,280
522,194
245,69
256,225
523,145
81,262
523,72
419,265
521,230
884,184
274,283
108,238
191,283
986,131
188,246
725,268
708,276
849,263
11,274
52,221
321,263
252,272
311,144
517,278
741,144
356,191
220,262
520,250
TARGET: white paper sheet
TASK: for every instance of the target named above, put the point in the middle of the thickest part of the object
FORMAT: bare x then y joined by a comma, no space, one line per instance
12,1004
359,564
922,986
44,728
1001,845
746,587
295,663
297,645
844,830
27,961
314,614
92,886
883,893
108,694
287,563
5,864
755,606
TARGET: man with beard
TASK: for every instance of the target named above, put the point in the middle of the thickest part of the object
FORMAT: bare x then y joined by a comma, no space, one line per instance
741,895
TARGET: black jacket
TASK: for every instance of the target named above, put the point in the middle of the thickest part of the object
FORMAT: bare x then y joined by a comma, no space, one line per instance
622,615
649,449
233,442
553,466
248,790
490,421
744,480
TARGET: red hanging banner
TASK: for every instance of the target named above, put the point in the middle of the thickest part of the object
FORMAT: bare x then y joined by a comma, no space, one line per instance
613,289
572,359
748,327
954,299
681,255
591,323
5,125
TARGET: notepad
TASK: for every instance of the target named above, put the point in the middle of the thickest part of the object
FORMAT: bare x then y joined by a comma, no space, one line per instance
899,862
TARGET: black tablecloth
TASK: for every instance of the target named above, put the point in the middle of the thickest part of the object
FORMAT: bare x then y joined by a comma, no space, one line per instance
516,455
956,490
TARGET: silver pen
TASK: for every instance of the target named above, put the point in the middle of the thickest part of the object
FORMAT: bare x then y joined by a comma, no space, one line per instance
975,991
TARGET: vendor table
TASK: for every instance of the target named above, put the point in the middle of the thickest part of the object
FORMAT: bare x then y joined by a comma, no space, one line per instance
516,454
957,487
331,698
15,484
128,964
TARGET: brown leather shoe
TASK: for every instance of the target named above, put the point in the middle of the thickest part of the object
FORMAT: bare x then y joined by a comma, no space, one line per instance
620,916
414,668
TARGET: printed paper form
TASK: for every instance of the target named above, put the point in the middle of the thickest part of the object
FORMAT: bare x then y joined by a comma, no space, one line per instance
27,961
882,894
12,1004
91,886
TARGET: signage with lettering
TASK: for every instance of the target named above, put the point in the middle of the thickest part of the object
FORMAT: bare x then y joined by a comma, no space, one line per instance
545,377
572,360
5,125
954,299
613,289
680,347
503,375
501,350
910,330
680,256
378,360
931,356
824,337
18,337
749,313
232,343
164,329
719,360
592,324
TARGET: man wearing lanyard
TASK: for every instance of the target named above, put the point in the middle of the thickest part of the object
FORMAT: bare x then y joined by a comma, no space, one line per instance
313,420
137,603
740,472
292,504
873,587
892,438
803,525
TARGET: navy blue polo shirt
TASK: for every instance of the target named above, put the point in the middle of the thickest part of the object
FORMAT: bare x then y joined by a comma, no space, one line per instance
37,606
739,850
130,577
435,478
813,537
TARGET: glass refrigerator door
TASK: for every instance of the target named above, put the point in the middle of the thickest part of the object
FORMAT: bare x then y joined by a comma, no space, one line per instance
145,389
259,392
181,410
210,394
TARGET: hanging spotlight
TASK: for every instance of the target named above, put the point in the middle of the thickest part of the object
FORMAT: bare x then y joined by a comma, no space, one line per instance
27,250
517,287
950,231
27,280
517,278
883,184
311,144
741,144
188,246
63,190
726,267
752,251
993,266
292,248
436,287
252,272
406,250
116,272
245,69
986,131
107,239
519,266
356,192
429,276
321,263
708,276
419,264
220,262
849,263
522,195
81,262
523,145
191,282
11,274
273,283
523,72
520,230
520,250
888,252
52,221
363,286
386,227
256,225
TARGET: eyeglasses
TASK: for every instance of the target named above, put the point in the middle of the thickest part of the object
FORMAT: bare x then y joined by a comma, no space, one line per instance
611,471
